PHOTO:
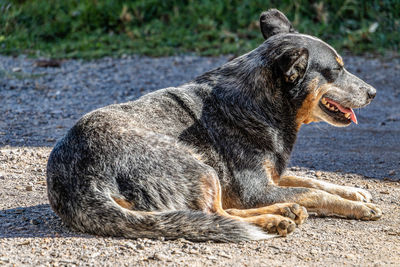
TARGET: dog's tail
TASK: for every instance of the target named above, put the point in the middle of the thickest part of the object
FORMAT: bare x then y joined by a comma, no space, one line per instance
107,218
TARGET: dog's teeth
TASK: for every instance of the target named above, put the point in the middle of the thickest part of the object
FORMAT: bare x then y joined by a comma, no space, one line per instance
323,101
347,115
332,108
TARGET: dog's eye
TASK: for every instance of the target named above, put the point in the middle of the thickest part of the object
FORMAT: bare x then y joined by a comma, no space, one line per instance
331,74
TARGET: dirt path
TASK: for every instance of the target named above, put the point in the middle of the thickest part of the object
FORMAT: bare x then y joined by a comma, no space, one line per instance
38,105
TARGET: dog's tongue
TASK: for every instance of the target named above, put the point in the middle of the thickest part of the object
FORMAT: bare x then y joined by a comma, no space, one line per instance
344,110
353,116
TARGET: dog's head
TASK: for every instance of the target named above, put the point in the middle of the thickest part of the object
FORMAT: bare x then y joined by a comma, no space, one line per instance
312,74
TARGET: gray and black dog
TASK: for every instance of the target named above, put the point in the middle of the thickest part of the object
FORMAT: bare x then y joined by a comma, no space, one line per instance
206,160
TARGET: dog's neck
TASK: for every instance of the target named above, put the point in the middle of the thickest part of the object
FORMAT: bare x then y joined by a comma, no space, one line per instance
249,96
246,88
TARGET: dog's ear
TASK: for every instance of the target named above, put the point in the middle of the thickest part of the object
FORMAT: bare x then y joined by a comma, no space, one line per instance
293,63
273,22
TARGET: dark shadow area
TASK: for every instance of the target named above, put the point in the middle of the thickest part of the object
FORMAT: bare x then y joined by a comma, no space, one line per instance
365,149
33,221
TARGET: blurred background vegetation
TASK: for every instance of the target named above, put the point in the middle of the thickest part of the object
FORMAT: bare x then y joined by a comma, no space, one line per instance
96,28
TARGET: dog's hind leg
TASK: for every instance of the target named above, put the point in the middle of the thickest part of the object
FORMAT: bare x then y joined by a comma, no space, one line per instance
347,192
268,218
291,210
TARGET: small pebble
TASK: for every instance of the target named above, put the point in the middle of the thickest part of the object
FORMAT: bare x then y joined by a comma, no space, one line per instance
139,246
4,260
24,243
34,221
160,257
225,255
130,245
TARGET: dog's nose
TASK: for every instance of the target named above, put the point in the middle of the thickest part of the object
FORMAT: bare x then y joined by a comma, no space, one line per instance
371,92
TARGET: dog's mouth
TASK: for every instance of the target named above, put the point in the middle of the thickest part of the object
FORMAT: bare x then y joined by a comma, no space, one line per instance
336,111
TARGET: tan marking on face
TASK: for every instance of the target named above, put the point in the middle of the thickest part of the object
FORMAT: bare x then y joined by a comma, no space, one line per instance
271,171
340,61
305,113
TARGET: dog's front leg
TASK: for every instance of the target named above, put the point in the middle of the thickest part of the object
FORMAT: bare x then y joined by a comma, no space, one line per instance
324,203
257,191
346,192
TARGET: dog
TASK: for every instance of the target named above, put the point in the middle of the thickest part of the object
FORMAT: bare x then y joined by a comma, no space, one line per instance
206,160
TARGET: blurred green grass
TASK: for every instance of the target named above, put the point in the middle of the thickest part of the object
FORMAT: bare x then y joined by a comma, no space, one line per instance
95,28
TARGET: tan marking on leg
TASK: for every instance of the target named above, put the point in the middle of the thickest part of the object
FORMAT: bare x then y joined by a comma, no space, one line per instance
271,171
346,192
123,203
230,200
269,222
324,203
209,194
291,210
211,189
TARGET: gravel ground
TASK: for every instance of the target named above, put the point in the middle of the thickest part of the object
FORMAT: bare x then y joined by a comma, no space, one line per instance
38,105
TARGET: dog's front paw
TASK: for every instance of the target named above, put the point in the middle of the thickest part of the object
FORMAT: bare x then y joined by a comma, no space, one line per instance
367,212
356,194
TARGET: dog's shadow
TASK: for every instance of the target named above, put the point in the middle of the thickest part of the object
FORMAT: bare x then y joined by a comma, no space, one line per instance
356,149
33,221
